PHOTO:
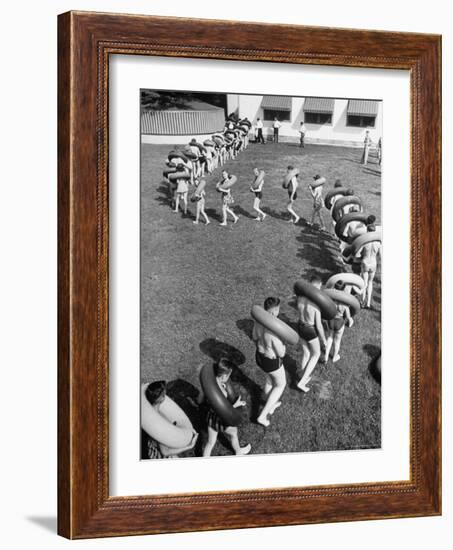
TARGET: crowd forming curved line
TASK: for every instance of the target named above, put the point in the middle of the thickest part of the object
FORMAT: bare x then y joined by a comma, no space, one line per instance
323,313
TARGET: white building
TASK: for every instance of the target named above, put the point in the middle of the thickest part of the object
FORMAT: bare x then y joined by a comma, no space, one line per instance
327,120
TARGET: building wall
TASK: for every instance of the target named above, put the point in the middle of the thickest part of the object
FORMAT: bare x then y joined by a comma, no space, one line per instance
336,133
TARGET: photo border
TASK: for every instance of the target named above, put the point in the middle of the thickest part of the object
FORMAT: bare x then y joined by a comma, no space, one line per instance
85,41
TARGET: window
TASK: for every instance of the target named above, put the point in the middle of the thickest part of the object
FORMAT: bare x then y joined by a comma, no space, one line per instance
270,114
318,118
361,121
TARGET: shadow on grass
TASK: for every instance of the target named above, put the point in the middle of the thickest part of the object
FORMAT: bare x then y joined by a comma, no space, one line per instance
282,215
164,197
319,253
239,211
213,214
374,352
246,325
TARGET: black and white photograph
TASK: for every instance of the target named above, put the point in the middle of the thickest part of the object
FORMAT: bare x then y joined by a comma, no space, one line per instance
260,273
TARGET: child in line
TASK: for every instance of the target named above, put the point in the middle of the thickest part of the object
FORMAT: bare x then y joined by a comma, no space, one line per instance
270,352
318,202
311,333
215,424
292,196
335,327
258,192
182,190
227,199
200,199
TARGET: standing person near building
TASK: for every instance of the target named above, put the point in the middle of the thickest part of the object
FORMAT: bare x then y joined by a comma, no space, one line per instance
366,148
259,128
276,125
302,132
379,150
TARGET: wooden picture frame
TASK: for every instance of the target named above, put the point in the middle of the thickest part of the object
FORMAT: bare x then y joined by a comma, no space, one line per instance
85,41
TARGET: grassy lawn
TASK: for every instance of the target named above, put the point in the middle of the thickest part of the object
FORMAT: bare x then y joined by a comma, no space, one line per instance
198,284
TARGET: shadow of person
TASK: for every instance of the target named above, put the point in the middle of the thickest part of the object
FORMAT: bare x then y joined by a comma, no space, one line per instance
374,352
290,366
165,197
215,349
246,325
282,215
239,211
213,214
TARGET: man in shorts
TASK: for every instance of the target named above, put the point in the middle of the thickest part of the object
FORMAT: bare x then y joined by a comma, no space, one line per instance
318,202
368,266
270,351
311,333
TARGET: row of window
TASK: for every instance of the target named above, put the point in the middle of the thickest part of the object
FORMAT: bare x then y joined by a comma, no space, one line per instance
360,121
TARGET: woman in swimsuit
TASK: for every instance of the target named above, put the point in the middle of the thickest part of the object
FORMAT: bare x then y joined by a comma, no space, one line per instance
270,351
292,196
227,199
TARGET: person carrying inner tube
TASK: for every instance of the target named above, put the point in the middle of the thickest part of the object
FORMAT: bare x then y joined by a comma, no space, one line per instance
182,190
318,203
200,199
215,424
155,394
311,332
335,328
258,192
368,255
269,355
292,196
227,199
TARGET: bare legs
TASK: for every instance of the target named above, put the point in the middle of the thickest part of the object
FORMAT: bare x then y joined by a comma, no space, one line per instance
368,278
200,210
231,433
294,217
256,207
183,197
225,212
333,337
311,352
274,387
317,215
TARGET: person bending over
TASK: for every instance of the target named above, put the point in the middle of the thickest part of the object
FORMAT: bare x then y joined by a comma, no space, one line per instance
269,355
311,333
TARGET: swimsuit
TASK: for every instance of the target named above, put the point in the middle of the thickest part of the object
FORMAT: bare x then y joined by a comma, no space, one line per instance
307,332
290,194
265,363
258,194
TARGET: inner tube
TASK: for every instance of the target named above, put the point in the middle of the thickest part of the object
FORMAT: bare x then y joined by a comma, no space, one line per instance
228,183
190,154
362,240
318,182
215,397
345,298
289,176
349,278
334,193
160,425
200,188
341,203
170,170
317,296
177,154
245,122
181,175
275,325
258,179
208,143
345,220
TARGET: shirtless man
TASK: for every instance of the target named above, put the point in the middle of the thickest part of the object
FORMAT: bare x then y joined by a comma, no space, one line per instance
318,203
311,332
270,351
292,196
368,266
258,192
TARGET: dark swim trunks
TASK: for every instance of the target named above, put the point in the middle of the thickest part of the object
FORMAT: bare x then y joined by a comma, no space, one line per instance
266,364
335,324
290,193
307,332
258,194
